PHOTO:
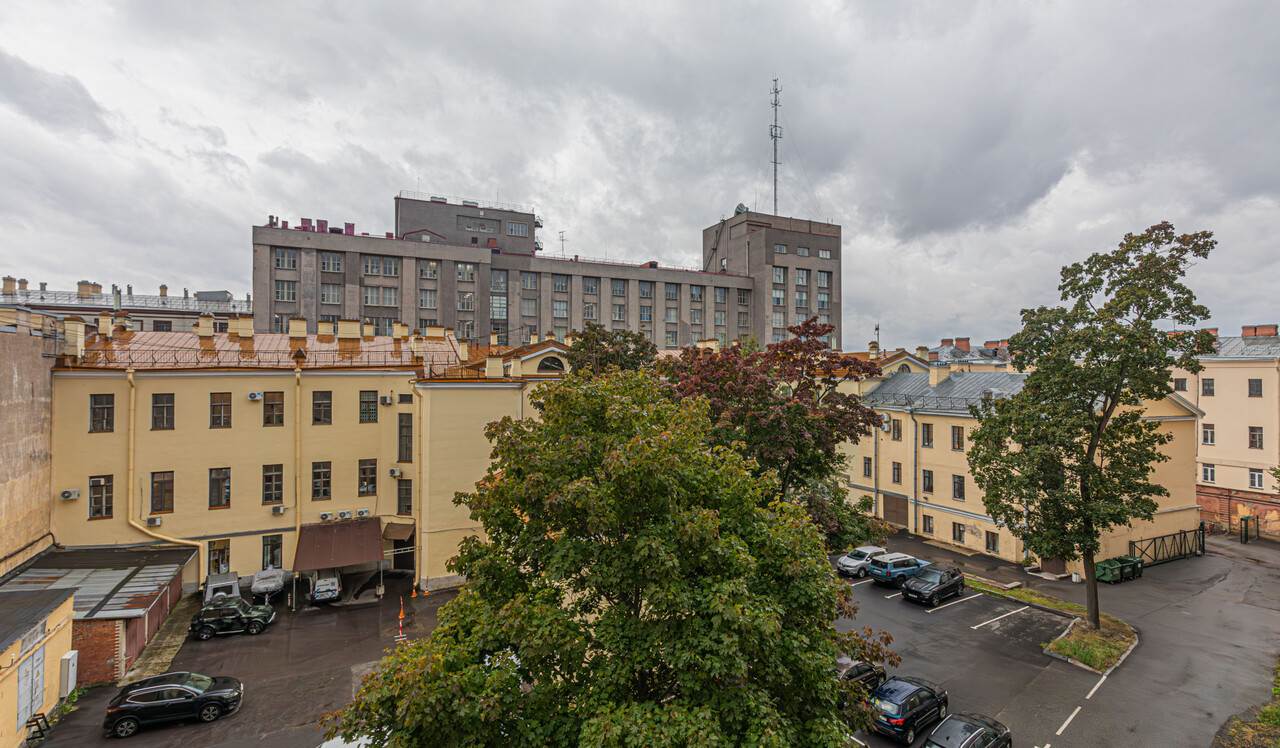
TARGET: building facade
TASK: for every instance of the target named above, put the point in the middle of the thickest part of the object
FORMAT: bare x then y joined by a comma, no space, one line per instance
159,312
474,266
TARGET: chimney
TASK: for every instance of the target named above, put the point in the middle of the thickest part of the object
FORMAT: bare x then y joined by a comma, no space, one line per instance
464,351
922,352
368,329
434,332
326,327
568,339
1004,343
205,326
322,225
10,284
548,335
1250,331
84,289
533,338
493,339
297,328
186,294
948,341
962,344
22,284
933,355
246,326
43,286
415,345
515,370
348,329
104,325
937,373
873,350
991,344
349,229
73,336
400,330
493,367
130,290
1211,330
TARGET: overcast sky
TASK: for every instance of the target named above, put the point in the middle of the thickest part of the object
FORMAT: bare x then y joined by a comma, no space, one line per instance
968,149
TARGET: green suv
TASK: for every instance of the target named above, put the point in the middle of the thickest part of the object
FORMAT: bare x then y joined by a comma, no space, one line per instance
230,616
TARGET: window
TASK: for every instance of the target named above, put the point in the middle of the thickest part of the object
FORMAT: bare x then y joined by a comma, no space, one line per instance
673,314
273,409
824,254
720,318
646,313
696,292
779,297
278,322
672,291
1255,478
744,296
286,291
695,316
466,272
589,310
1255,437
824,300
529,281
101,496
957,532
330,293
219,488
321,475
1207,473
1180,384
368,406
673,339
590,285
367,479
721,295
426,298
866,467
926,481
1207,433
560,309
619,312
957,438
646,289
560,283
272,484
529,307
779,275
404,452
219,410
428,269
498,281
802,277
322,407
286,259
425,322
466,301
162,412
220,556
802,251
162,326
404,497
895,429
824,279
162,492
802,299
780,249
391,267
993,542
467,329
926,435
928,524
957,487
515,228
896,471
744,319
497,307
272,552
1206,387
779,319
381,296
1255,388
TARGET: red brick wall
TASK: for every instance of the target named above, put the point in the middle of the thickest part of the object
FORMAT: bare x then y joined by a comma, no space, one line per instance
99,646
1229,505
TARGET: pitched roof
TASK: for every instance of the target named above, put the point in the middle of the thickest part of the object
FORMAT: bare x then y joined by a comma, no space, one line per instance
20,611
1262,346
955,393
108,582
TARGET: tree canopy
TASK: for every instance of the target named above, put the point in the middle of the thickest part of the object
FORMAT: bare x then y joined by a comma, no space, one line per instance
1071,455
596,348
635,586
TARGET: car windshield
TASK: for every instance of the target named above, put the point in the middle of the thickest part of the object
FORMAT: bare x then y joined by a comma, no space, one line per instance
931,577
857,555
200,683
885,706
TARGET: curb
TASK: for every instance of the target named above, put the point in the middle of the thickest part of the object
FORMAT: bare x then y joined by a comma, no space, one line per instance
1125,656
993,583
1030,604
1072,660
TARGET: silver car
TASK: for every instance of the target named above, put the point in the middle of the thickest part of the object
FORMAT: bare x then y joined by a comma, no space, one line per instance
857,562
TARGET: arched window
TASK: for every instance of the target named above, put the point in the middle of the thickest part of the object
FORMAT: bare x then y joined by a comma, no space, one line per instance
903,368
549,364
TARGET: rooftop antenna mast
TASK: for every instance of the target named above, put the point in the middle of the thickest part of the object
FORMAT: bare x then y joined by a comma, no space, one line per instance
775,133
562,241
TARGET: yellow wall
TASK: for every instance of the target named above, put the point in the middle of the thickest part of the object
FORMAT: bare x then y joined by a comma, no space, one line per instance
1231,411
57,642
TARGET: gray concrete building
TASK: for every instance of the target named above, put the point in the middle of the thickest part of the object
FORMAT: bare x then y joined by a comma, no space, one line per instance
475,266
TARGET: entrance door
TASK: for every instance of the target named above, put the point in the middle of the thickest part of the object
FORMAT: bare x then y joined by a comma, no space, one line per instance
402,558
895,510
1053,566
30,686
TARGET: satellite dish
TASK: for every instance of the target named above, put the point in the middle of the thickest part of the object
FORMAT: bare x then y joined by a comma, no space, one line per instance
742,208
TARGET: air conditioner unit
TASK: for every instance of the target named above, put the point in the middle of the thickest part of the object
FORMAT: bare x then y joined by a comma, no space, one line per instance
395,472
362,512
344,514
386,399
97,481
885,422
255,396
69,494
154,521
326,516
277,510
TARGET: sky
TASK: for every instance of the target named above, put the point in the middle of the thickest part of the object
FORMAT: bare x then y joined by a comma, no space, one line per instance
968,150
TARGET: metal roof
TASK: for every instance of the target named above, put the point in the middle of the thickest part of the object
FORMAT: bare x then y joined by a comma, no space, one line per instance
1263,346
73,301
20,611
108,583
957,392
327,545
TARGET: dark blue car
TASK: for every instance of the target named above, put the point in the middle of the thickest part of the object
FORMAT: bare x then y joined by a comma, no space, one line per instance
902,707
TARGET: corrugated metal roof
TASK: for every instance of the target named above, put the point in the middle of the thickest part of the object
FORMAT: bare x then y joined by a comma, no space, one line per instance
957,392
20,611
1266,346
107,584
328,545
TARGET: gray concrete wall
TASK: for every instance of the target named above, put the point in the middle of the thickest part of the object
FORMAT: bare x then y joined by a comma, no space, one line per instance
26,493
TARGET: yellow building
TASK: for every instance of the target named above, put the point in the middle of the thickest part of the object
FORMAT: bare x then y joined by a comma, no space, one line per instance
35,635
916,466
1238,441
278,449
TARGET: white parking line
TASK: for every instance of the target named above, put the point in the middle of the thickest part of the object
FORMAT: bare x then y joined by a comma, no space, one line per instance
1006,615
954,602
890,597
855,584
1095,687
1064,724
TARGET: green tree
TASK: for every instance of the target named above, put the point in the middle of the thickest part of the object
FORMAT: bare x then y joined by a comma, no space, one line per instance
1070,456
845,524
634,587
596,348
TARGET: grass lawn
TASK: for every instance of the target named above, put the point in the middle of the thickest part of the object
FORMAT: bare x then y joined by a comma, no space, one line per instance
1098,649
1263,731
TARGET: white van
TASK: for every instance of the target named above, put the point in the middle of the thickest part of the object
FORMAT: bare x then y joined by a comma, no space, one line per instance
326,584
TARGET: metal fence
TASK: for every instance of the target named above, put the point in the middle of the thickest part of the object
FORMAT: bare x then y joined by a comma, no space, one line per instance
1170,547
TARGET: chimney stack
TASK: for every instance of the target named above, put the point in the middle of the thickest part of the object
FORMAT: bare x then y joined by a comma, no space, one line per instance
10,284
516,369
922,352
129,292
246,326
938,373
493,367
348,329
204,327
493,339
43,286
433,332
22,284
948,341
104,325
164,290
399,330
84,289
533,338
297,328
962,344
368,330
873,350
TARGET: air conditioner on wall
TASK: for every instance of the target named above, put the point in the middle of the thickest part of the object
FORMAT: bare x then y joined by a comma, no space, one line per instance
386,399
69,494
97,481
154,521
362,512
344,514
277,510
326,516
255,396
885,422
395,472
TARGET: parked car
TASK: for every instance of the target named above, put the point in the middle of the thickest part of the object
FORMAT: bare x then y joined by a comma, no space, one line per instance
856,562
969,730
169,697
230,616
933,584
901,707
865,673
895,568
326,584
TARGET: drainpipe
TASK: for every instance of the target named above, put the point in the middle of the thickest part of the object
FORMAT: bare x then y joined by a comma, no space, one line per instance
133,409
419,537
875,471
915,465
297,475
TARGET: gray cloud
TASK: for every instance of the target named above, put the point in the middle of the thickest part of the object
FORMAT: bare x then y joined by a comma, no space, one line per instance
57,102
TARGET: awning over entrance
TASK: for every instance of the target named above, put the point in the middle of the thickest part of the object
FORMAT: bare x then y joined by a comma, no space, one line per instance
397,531
336,544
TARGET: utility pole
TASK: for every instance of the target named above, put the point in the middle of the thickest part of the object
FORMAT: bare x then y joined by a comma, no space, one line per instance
775,133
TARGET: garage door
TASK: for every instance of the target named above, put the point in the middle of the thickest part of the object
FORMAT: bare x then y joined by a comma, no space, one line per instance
895,510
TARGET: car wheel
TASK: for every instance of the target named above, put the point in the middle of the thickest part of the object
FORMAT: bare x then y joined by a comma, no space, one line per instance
942,711
862,573
910,737
899,582
210,712
205,633
933,600
254,628
124,727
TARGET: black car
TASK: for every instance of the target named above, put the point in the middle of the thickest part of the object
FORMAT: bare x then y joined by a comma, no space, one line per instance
172,696
230,616
901,707
868,675
933,584
969,730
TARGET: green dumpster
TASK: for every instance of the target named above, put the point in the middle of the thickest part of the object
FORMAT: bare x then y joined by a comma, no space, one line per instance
1107,571
1135,563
